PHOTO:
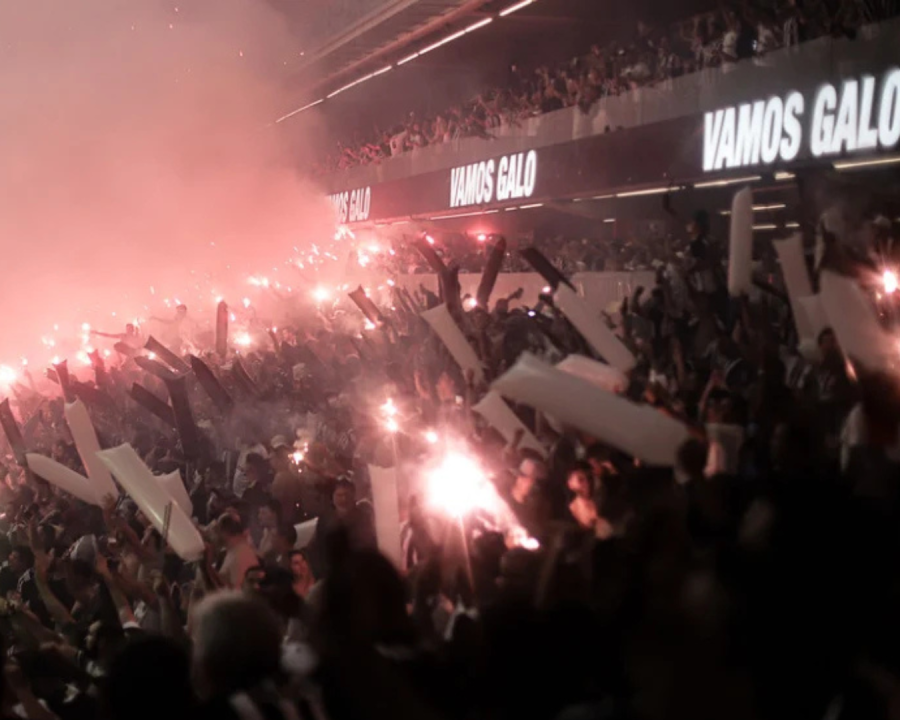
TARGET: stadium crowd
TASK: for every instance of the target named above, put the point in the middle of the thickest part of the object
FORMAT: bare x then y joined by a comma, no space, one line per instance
744,31
571,254
756,578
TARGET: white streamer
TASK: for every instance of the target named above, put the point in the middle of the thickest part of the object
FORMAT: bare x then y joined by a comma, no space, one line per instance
494,409
740,250
441,321
603,376
853,320
638,430
152,499
594,330
64,478
174,486
86,442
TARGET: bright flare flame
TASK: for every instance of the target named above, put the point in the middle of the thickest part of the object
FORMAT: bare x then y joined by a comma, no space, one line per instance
321,294
470,303
458,485
889,278
431,437
391,425
520,538
298,457
7,375
389,408
243,339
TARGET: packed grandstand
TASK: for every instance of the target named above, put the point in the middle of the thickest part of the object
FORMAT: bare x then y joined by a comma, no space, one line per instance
573,424
650,56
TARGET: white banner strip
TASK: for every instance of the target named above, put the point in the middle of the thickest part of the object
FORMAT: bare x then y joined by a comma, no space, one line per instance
740,249
443,324
639,430
86,442
152,499
64,478
500,416
594,329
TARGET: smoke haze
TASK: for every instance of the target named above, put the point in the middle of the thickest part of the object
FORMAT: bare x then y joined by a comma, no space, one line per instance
135,153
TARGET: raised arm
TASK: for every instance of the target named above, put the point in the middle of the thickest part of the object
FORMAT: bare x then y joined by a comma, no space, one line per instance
123,608
57,610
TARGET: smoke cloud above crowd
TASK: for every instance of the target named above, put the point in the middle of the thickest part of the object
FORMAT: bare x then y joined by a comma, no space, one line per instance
139,162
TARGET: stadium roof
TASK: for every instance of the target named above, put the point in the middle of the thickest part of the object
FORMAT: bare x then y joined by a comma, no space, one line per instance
397,31
389,28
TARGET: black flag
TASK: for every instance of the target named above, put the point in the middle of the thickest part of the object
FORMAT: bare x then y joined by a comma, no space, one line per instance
171,359
147,400
431,257
65,382
211,385
13,434
491,270
365,304
184,418
545,268
156,368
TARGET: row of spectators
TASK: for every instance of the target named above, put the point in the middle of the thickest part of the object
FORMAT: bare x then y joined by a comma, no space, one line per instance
740,32
572,254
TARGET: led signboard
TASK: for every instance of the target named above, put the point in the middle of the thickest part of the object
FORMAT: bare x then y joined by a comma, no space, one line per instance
859,115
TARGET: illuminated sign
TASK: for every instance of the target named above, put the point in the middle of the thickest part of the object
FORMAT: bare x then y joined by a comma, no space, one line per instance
512,177
352,205
860,115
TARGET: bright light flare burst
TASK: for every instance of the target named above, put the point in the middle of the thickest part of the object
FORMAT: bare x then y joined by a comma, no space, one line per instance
889,281
8,376
458,485
390,412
